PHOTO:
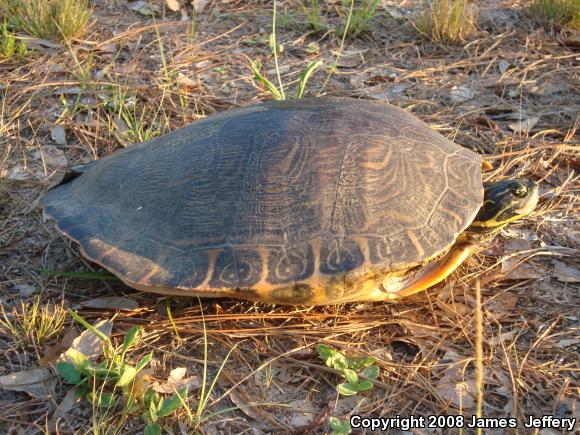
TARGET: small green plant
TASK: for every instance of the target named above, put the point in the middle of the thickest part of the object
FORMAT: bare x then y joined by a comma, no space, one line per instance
271,87
350,369
8,45
107,383
448,20
557,13
50,19
339,426
312,11
278,92
32,323
156,407
362,12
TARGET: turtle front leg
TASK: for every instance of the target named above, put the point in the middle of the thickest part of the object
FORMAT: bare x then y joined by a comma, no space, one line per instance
437,273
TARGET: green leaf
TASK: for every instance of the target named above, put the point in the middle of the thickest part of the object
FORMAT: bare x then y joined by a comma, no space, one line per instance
350,376
143,362
89,327
363,386
101,371
68,372
338,426
168,406
256,66
153,410
152,429
82,391
325,351
128,375
79,359
131,338
150,397
365,362
106,400
346,389
308,71
370,372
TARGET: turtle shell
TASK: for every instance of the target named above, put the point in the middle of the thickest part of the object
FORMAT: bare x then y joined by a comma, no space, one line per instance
304,202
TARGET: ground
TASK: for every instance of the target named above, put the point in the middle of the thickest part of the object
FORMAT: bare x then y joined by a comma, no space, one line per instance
510,93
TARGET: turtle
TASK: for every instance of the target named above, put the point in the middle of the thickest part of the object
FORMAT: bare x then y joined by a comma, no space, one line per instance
315,201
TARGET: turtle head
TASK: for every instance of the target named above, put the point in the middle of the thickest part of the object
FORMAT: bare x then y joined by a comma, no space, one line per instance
505,201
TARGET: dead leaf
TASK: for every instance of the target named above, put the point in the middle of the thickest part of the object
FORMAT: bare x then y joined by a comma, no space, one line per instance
53,352
502,303
503,66
39,383
172,5
177,381
110,302
303,413
51,156
506,336
351,58
185,82
565,273
524,125
24,290
69,401
17,173
460,393
141,383
58,134
515,269
199,5
462,93
396,14
568,342
145,8
39,44
516,245
88,343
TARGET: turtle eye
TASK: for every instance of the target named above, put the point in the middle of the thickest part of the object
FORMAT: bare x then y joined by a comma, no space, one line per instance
520,191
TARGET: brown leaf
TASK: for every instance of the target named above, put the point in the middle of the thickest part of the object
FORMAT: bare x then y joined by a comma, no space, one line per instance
177,381
565,273
460,393
58,134
515,269
53,352
24,290
88,343
524,125
351,58
185,82
69,402
199,5
462,93
172,5
110,302
302,413
51,156
501,303
39,383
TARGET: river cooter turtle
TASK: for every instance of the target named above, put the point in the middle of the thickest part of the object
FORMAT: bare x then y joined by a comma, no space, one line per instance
306,202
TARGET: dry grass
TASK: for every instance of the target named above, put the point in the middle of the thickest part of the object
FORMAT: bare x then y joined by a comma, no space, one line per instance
512,95
557,13
49,19
448,20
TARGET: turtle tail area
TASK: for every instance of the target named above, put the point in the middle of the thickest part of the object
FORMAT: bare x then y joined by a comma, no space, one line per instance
72,173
